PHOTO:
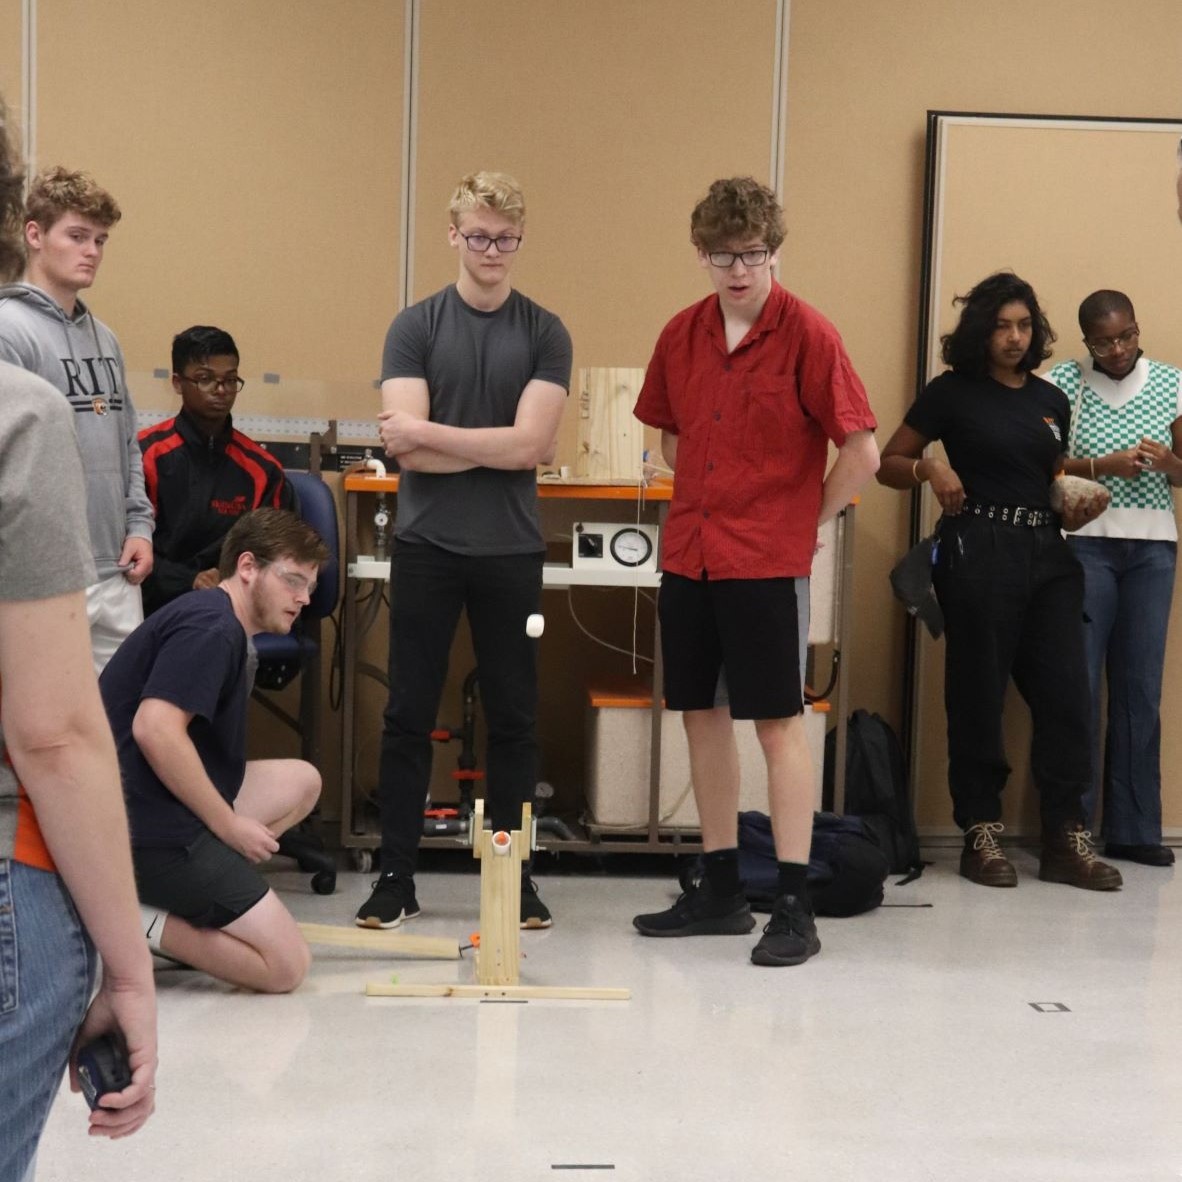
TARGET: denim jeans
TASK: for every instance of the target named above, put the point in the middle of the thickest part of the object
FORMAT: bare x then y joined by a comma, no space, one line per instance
1128,587
429,587
1013,607
47,967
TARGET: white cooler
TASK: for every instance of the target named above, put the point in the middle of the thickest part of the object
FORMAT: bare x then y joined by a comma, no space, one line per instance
619,726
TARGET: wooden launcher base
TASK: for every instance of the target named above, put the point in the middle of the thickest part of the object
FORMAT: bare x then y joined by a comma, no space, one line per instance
498,958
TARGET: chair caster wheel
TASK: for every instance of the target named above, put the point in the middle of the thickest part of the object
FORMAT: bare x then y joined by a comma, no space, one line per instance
324,882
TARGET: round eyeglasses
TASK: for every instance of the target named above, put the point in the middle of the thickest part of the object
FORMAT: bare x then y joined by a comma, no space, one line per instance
1106,346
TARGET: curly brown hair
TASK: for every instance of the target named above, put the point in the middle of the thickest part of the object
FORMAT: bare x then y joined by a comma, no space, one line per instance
57,191
735,209
12,179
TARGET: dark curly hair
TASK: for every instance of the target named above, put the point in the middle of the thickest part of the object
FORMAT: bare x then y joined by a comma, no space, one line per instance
12,180
966,348
736,208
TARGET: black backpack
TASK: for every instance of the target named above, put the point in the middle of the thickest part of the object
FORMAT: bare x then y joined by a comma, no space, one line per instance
876,789
846,867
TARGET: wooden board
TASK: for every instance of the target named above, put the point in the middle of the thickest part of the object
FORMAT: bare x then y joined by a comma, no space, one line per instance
383,943
609,439
555,992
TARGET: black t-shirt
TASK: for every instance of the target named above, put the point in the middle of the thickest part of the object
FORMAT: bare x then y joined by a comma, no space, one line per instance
1005,444
192,653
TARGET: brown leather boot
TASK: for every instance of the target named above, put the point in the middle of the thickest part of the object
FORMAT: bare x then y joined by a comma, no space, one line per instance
982,861
1068,857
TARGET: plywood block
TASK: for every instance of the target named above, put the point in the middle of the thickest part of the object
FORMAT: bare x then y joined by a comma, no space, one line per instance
556,992
384,943
609,439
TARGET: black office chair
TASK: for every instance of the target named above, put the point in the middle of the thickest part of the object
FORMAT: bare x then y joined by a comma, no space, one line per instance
284,658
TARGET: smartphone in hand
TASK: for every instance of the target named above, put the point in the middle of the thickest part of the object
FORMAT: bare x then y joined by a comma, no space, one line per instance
103,1067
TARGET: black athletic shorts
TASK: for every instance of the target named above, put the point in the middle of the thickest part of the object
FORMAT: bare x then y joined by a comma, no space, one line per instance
736,641
207,883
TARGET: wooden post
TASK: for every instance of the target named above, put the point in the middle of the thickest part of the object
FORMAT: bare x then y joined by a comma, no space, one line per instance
501,855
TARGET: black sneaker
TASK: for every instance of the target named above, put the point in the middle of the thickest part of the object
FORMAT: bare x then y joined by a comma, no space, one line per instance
698,912
534,913
789,937
392,901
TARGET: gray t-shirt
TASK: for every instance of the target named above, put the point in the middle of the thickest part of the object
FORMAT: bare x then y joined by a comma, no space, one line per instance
44,544
476,365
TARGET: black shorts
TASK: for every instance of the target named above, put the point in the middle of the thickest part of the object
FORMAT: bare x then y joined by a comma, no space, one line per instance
736,641
207,883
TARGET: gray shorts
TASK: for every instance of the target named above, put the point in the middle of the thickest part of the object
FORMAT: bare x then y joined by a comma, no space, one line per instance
206,882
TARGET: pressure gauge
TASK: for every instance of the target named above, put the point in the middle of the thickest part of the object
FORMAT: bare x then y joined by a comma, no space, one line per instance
631,547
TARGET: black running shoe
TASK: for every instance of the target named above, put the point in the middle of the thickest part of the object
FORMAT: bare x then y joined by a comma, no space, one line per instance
699,912
392,901
534,913
789,937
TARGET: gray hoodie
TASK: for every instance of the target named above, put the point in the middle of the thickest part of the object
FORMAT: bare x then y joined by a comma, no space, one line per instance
80,357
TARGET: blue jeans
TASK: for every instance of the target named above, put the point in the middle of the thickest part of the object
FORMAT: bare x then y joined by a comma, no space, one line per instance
1128,586
47,966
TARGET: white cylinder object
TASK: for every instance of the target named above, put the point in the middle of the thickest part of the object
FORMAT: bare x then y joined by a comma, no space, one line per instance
535,625
501,842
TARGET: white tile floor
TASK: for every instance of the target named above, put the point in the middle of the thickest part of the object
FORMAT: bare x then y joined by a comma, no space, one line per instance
909,1049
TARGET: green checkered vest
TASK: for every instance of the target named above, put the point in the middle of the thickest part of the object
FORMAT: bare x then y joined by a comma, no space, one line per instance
1098,429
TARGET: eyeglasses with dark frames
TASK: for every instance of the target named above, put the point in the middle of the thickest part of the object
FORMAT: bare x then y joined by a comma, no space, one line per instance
725,259
479,243
207,385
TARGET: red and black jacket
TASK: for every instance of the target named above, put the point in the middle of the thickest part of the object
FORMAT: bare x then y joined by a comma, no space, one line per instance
198,488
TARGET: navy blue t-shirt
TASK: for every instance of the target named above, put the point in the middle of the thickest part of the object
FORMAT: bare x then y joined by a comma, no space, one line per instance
1005,444
192,653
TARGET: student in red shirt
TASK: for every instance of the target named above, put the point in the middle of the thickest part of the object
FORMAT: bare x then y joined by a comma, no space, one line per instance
748,388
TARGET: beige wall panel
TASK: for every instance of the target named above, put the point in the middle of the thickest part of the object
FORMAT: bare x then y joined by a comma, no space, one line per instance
255,149
11,41
615,117
862,74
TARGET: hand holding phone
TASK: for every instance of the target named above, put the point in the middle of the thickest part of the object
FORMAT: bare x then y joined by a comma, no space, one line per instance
103,1068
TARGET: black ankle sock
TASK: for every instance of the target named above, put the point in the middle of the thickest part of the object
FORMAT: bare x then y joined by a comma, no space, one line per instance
794,880
722,869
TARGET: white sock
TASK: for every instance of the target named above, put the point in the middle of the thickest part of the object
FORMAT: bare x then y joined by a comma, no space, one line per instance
153,919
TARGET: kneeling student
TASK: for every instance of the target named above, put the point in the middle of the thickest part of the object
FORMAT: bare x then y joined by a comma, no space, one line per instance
201,814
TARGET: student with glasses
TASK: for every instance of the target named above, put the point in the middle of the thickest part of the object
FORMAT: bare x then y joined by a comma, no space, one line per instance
200,471
748,388
1126,432
202,815
47,329
1010,588
474,381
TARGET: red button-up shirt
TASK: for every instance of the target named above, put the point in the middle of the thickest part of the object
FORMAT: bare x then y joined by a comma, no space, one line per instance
753,430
